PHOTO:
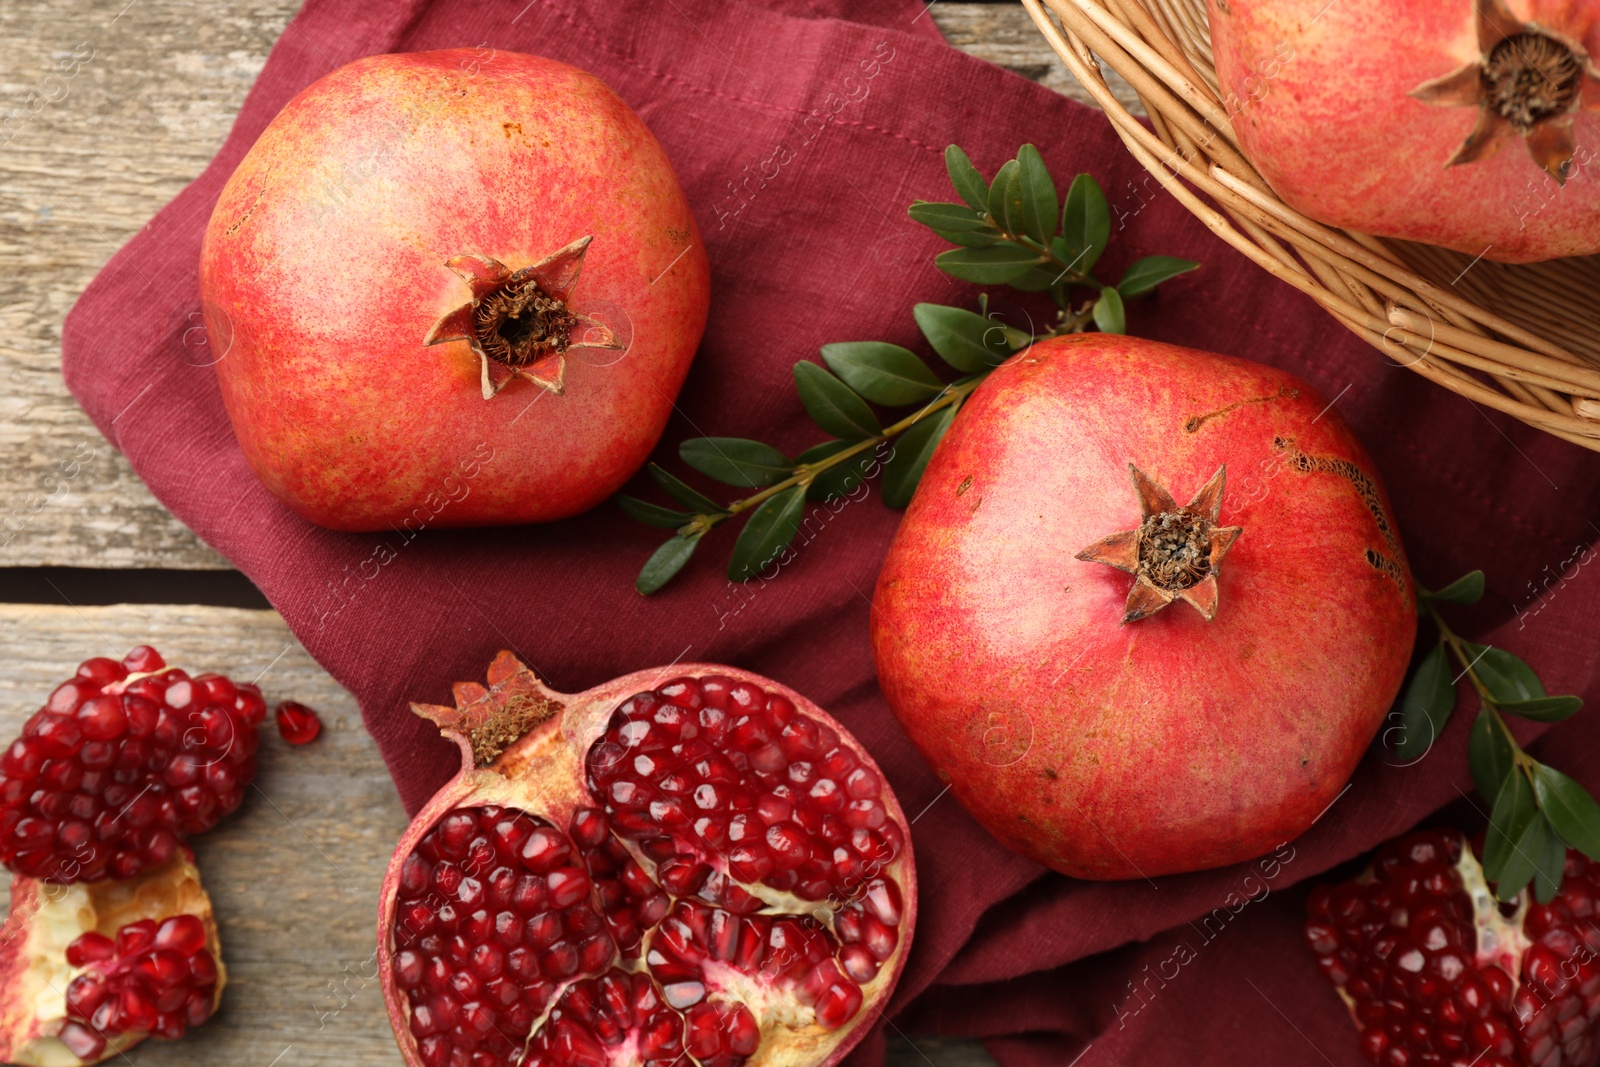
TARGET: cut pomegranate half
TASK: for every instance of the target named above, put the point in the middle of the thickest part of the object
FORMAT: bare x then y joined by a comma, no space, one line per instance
1434,970
88,970
706,868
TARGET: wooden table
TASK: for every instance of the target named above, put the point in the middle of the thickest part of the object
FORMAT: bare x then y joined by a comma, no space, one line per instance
295,875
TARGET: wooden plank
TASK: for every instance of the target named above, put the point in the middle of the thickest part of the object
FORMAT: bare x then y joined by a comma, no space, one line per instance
106,112
295,874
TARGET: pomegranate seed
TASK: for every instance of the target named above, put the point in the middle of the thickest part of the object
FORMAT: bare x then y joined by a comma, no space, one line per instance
297,724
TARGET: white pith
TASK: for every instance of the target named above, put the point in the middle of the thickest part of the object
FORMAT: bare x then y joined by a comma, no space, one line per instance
1500,938
790,1036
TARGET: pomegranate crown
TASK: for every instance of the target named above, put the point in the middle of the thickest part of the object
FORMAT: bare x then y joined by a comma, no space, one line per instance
492,718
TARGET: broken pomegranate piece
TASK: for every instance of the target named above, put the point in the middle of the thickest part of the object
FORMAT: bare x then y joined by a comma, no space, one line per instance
705,868
123,763
1435,971
88,970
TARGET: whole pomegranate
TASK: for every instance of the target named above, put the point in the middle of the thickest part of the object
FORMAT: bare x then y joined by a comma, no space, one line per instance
418,249
124,762
89,970
1085,716
685,863
1435,971
1465,123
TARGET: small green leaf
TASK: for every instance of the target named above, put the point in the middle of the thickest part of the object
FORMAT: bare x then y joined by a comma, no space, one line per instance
1489,755
995,265
1467,589
1150,272
682,493
964,339
1544,709
665,562
1549,865
1108,312
1521,858
1570,809
1085,224
1037,194
767,533
842,478
912,450
1426,706
883,373
1037,280
652,514
972,239
968,182
1513,809
1005,199
957,217
1507,678
833,405
736,461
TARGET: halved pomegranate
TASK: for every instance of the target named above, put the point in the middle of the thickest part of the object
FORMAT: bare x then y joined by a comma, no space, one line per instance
89,970
698,863
1435,971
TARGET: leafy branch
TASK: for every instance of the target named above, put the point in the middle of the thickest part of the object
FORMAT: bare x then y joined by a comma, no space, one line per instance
1014,231
1537,812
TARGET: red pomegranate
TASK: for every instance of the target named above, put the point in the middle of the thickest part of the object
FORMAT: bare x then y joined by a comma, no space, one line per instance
1467,123
123,763
688,862
89,970
1086,716
1435,971
417,250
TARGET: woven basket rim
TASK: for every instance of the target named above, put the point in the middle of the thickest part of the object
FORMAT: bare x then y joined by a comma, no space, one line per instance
1543,370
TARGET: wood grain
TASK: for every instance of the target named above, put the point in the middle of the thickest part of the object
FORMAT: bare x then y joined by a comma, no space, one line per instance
128,103
295,874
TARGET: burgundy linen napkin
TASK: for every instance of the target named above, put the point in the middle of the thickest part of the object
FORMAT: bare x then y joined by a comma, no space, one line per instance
864,97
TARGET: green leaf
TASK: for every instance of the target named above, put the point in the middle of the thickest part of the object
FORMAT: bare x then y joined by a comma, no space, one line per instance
832,404
768,532
1085,224
1005,199
957,217
736,461
1109,314
883,373
1518,856
665,562
1150,272
995,265
964,339
1037,280
842,478
1513,809
912,450
1544,709
1037,195
1570,809
968,182
1467,589
1507,678
1426,706
682,493
653,514
972,239
1489,755
1549,865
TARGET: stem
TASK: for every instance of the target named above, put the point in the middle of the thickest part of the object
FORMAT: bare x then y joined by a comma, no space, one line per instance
1519,758
952,396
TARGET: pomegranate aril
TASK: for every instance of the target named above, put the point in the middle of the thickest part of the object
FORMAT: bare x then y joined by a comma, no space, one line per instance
297,724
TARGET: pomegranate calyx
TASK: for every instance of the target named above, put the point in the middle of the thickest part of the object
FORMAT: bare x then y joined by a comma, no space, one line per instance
520,324
1528,81
493,719
1174,553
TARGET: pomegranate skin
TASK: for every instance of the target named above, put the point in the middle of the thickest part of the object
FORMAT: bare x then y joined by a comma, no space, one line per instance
1318,97
324,268
1114,750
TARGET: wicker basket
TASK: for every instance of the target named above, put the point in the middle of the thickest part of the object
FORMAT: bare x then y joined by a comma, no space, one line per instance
1521,339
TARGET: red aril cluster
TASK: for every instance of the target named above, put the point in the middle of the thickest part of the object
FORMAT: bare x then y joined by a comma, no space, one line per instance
124,762
156,978
707,869
1436,972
